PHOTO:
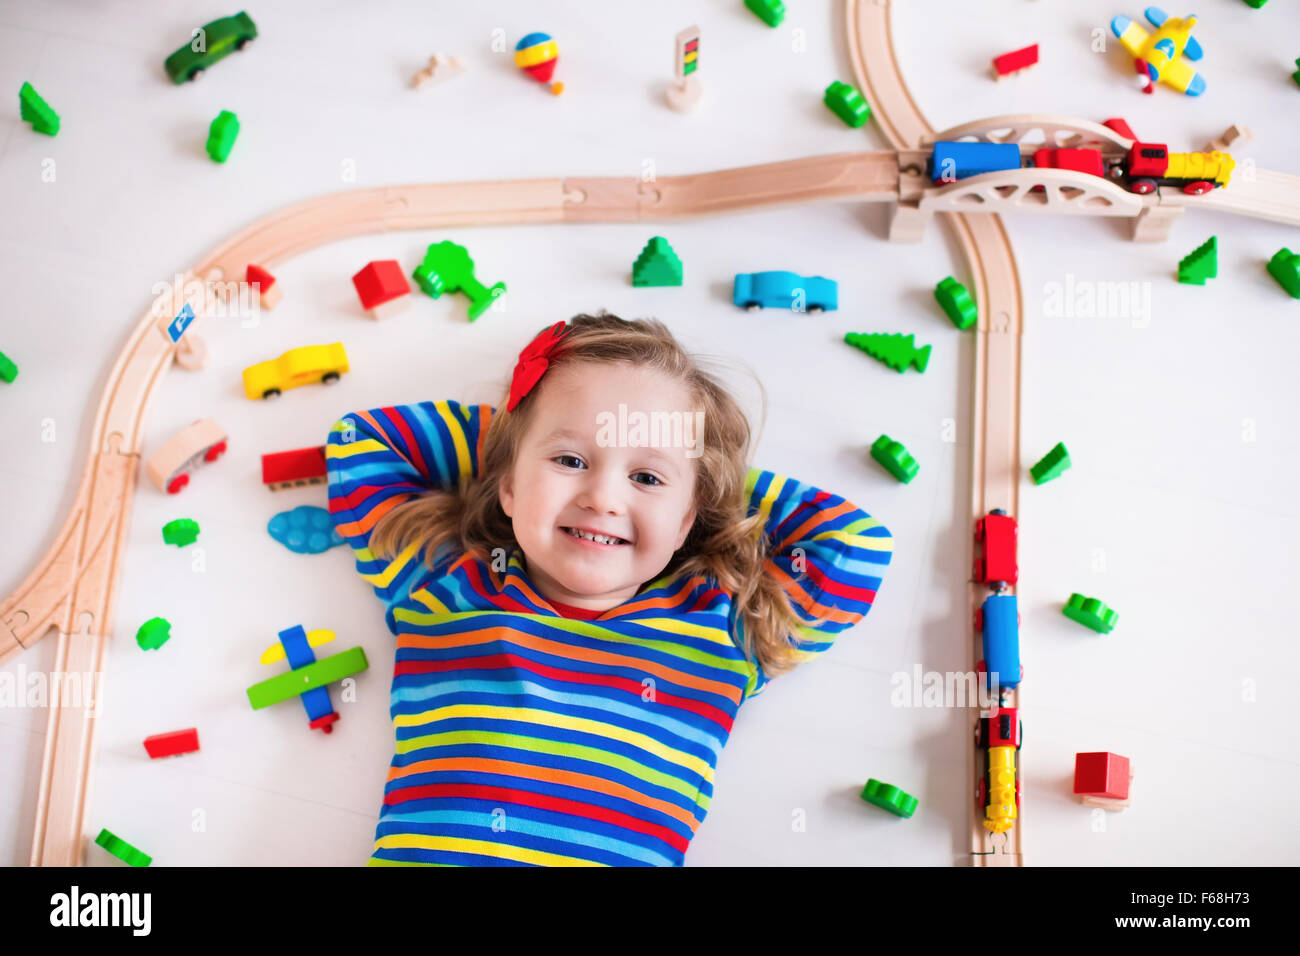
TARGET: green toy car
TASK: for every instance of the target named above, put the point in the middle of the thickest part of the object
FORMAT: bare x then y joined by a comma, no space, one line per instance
218,38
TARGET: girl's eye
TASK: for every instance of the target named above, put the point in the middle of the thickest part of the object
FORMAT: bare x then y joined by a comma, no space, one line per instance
654,480
561,458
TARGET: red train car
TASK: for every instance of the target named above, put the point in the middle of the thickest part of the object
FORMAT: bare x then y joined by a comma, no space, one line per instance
995,535
1080,160
288,469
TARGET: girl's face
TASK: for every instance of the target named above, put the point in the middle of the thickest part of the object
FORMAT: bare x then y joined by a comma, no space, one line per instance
577,470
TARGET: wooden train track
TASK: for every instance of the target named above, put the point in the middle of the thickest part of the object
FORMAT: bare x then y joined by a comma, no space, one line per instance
71,591
995,432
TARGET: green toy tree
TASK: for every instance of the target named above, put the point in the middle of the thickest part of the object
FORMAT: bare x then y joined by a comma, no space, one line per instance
1201,263
657,265
36,111
897,351
447,267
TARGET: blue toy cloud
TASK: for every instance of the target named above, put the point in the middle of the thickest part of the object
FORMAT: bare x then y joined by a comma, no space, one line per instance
306,529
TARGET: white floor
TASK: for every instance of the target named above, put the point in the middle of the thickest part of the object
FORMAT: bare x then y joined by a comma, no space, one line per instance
1179,511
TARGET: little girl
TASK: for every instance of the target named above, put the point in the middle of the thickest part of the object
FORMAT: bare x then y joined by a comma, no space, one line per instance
582,603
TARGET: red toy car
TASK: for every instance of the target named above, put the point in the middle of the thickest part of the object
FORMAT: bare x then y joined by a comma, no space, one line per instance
996,567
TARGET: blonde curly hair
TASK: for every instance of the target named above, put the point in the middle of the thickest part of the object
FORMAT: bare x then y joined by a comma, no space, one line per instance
724,543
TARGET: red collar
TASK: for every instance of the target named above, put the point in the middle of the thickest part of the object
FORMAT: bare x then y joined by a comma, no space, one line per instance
581,613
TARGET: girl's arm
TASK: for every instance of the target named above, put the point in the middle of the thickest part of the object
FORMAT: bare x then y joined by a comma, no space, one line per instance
380,458
827,553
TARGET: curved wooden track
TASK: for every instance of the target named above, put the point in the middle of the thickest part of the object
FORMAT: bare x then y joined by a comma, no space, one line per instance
995,432
71,591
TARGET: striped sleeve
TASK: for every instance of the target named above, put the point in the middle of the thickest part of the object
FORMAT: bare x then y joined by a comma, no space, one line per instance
379,459
828,554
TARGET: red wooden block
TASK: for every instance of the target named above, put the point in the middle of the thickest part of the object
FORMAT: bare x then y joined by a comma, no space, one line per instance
1101,775
1016,60
173,743
382,288
269,293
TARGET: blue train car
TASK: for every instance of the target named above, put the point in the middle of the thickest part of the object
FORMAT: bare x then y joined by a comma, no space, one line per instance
953,161
1000,630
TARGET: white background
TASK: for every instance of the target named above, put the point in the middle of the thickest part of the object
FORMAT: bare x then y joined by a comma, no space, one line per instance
1179,511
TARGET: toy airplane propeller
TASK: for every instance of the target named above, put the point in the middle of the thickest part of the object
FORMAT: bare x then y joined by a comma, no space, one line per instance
1160,52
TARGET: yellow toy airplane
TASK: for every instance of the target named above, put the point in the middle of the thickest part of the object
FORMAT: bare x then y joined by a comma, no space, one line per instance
1159,52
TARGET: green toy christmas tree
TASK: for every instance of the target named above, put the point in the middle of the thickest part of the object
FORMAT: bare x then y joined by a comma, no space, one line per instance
897,351
1201,263
36,111
657,265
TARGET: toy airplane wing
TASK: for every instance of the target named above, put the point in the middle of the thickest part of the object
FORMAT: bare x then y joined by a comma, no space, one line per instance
314,639
1155,16
1131,34
1183,78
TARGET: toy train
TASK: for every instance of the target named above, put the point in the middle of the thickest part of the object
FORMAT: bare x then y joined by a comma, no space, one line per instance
1142,169
995,537
289,469
998,791
998,623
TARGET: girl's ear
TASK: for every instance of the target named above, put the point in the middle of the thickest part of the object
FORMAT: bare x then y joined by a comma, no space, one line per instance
505,494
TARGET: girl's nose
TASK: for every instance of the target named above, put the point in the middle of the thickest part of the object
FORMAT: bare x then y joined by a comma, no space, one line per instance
601,492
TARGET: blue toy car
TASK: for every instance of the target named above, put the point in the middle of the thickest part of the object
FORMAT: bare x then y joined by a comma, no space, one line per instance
785,290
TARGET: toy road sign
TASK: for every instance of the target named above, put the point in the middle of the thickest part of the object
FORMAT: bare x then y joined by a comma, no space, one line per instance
176,328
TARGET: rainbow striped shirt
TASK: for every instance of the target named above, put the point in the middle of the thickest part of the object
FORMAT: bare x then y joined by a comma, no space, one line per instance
525,737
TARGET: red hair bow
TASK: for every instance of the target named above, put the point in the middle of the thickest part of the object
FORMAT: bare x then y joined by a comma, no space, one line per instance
533,362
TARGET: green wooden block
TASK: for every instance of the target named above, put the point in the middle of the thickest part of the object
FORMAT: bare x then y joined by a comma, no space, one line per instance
319,674
1090,612
8,370
1285,268
121,849
888,797
222,134
181,532
153,633
956,302
1051,465
894,458
771,12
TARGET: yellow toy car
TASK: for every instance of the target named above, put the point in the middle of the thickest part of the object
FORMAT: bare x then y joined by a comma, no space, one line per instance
302,366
